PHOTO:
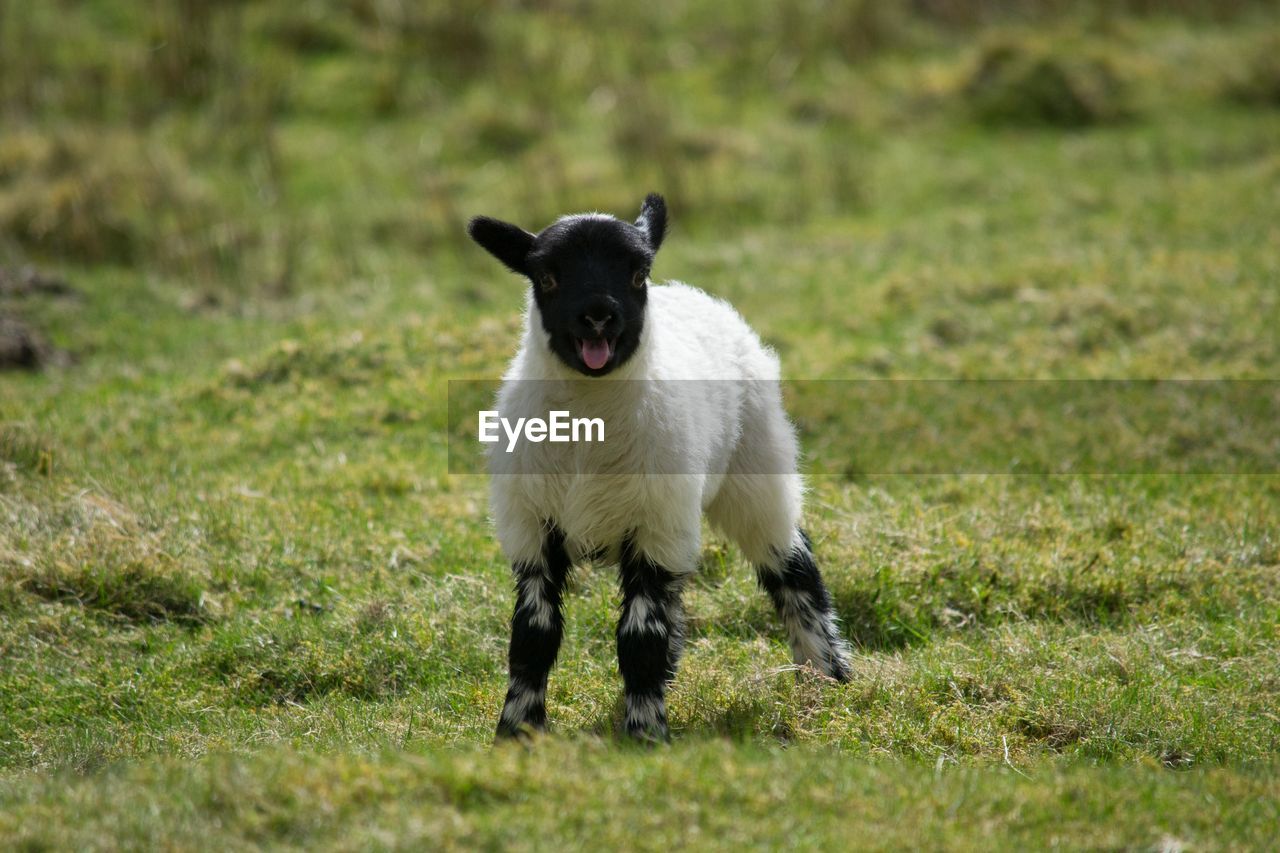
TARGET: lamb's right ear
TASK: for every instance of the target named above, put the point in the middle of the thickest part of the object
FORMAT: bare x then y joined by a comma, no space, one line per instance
508,243
653,219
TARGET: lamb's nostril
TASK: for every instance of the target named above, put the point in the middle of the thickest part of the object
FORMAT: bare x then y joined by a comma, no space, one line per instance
598,325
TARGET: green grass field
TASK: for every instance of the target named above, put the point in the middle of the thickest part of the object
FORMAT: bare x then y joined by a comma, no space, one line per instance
243,602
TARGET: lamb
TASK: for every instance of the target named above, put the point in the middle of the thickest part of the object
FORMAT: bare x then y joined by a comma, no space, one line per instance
599,336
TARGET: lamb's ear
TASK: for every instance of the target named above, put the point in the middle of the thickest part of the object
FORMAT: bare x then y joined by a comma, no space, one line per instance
508,243
653,219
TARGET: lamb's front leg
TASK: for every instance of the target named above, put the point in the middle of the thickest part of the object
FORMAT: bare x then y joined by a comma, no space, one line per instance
537,626
650,638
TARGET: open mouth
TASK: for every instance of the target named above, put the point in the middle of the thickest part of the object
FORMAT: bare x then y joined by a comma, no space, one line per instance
595,352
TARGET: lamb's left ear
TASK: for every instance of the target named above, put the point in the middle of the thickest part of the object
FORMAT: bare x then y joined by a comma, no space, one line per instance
508,243
653,219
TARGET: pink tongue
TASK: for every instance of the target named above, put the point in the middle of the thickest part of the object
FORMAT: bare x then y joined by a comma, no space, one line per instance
595,353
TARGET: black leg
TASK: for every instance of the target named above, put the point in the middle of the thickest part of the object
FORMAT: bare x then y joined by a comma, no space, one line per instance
795,585
536,629
650,639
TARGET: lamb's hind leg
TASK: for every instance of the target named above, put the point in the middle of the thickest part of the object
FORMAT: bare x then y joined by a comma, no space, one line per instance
795,585
650,638
537,626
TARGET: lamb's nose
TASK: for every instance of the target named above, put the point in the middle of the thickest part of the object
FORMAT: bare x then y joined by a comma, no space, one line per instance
598,325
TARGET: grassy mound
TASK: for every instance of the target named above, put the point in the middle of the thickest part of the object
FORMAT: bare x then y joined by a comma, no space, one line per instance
1029,84
88,551
1259,83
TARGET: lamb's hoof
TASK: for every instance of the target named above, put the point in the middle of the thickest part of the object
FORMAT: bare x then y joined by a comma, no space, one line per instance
838,671
524,732
652,735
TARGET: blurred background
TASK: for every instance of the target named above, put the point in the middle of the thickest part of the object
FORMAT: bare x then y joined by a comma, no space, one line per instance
258,147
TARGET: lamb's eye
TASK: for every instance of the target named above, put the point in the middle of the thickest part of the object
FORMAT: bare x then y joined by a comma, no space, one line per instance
548,282
640,277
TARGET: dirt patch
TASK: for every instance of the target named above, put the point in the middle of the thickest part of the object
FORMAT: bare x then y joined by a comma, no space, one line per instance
23,348
22,282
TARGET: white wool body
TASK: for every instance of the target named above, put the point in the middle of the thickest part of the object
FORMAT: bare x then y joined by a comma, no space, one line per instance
673,449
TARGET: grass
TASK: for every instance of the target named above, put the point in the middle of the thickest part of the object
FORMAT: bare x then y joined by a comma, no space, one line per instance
243,600
407,798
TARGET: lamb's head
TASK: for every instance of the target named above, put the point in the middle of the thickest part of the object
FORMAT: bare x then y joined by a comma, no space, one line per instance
590,278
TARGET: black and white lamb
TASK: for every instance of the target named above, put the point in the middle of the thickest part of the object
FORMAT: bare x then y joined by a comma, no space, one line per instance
674,450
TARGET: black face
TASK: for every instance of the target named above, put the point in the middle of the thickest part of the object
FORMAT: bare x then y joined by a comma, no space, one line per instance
590,280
